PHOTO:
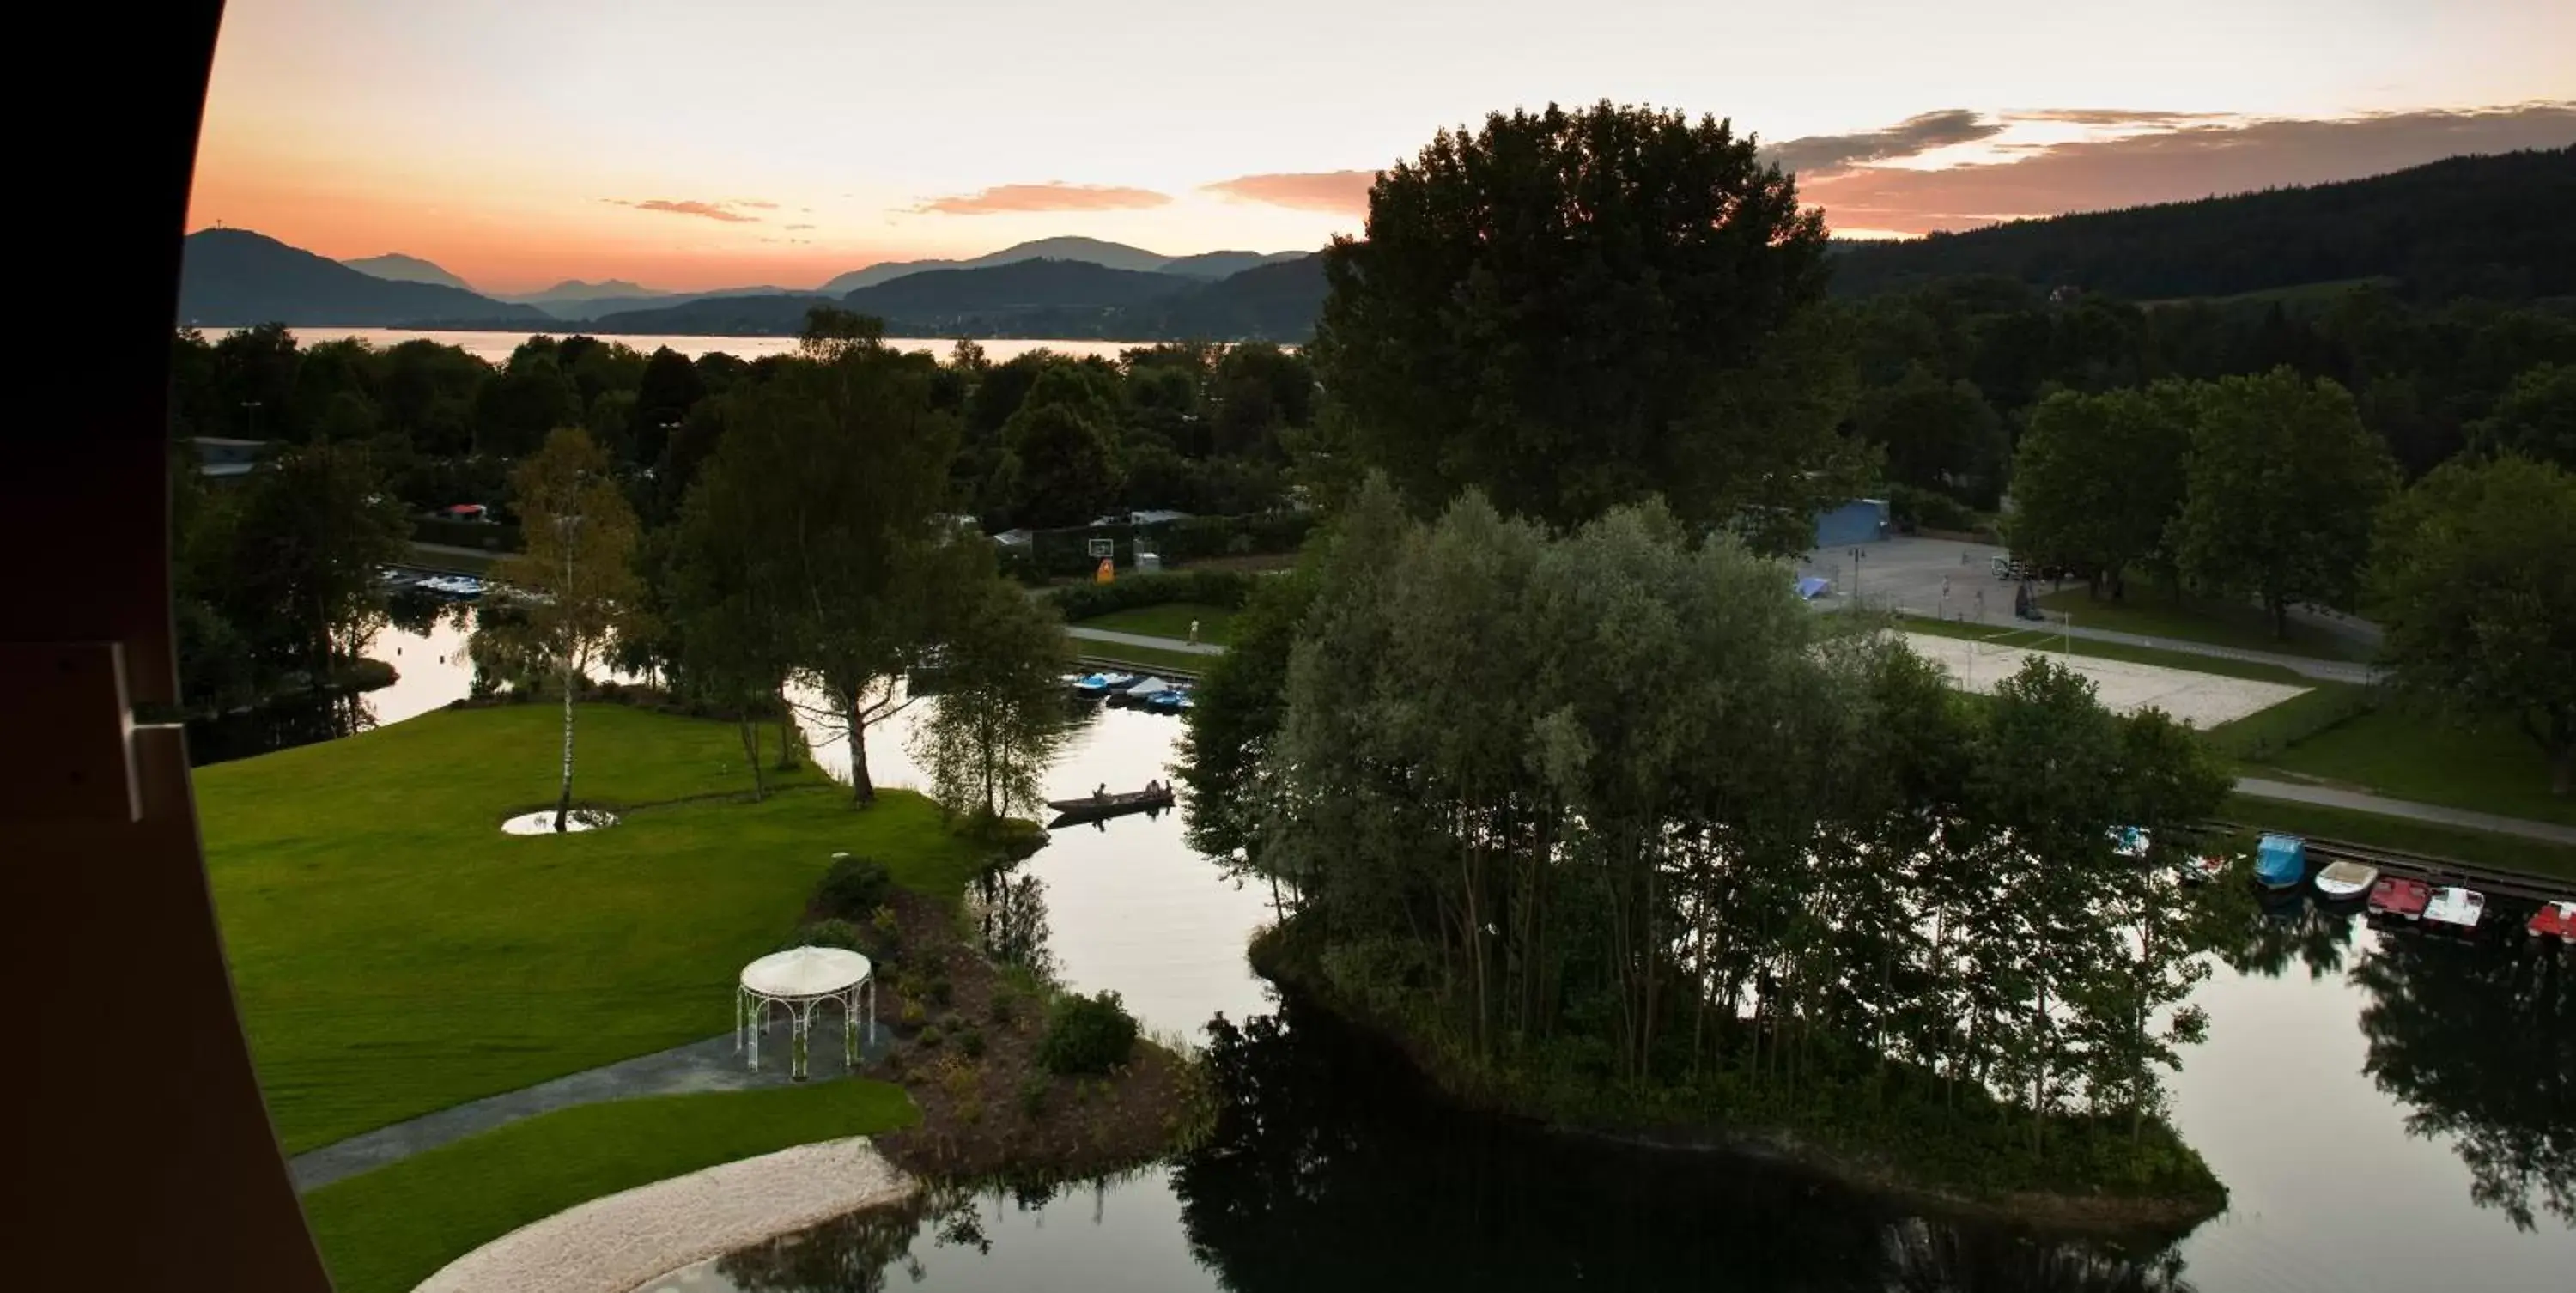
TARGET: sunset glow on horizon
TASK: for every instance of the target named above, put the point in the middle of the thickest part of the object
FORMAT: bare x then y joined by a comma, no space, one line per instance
689,146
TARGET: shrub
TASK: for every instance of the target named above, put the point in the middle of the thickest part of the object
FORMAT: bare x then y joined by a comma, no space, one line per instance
888,930
1928,508
971,1043
1000,1009
853,888
1032,1095
828,933
939,991
930,1037
912,1014
1087,1034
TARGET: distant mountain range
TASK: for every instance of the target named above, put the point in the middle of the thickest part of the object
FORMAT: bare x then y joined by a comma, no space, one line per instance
236,278
574,299
2492,226
406,269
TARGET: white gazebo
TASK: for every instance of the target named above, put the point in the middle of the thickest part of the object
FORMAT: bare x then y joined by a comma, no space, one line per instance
800,980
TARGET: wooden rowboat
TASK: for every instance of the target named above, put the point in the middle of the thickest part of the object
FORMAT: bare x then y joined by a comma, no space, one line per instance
1073,812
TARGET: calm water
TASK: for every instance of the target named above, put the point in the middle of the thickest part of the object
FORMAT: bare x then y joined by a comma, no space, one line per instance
496,346
2390,1112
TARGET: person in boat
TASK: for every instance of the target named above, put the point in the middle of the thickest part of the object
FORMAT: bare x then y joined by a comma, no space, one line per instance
1153,788
1100,793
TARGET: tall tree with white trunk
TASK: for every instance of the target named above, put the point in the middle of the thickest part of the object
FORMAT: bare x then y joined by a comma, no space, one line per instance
576,577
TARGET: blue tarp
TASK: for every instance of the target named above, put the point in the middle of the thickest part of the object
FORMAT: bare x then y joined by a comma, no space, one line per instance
1810,588
2281,861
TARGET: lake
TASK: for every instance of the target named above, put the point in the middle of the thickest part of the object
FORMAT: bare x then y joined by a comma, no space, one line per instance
496,346
2390,1112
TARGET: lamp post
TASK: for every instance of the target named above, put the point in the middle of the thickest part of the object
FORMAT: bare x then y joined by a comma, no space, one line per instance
1855,554
251,409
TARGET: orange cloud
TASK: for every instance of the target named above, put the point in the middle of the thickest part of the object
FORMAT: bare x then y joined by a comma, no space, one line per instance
2177,164
1054,195
1336,192
709,210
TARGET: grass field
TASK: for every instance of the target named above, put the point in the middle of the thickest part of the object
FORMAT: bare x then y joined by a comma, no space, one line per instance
386,1230
2481,847
1171,620
2403,755
394,953
2149,614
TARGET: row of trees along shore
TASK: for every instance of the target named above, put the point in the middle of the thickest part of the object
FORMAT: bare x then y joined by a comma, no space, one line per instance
1556,778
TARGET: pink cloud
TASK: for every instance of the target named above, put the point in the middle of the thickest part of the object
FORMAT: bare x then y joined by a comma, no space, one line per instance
2186,161
706,210
1054,195
1337,192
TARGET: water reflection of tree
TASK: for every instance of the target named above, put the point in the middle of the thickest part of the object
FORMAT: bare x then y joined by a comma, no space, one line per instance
2266,933
2481,1041
849,1255
1327,1172
1010,911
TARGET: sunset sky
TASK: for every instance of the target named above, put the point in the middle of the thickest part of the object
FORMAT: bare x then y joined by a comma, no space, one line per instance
698,145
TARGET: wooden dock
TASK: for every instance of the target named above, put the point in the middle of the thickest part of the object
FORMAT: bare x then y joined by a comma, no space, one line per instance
2494,882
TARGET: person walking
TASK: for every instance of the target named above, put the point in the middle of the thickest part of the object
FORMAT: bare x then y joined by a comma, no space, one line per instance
1194,632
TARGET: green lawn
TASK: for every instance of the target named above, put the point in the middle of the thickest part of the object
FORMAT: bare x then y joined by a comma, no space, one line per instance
2149,613
1146,659
386,1230
2389,751
2509,851
1171,620
394,953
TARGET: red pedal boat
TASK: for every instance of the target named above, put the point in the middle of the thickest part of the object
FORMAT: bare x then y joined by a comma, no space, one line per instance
2554,920
2397,896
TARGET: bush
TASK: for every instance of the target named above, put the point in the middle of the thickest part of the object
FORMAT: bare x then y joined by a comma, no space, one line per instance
1032,1095
971,1043
853,888
828,933
939,991
929,1037
1087,1034
1228,588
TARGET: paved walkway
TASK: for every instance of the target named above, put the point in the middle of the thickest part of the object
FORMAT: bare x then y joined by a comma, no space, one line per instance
1144,640
710,1065
2356,801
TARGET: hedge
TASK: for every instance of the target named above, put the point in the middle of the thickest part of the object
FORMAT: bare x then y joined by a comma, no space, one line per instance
1226,588
1057,554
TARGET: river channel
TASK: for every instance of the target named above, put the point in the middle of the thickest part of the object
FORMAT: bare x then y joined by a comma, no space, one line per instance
2390,1111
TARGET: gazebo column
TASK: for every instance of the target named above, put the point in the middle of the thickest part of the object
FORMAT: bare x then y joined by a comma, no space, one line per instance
850,1033
800,1025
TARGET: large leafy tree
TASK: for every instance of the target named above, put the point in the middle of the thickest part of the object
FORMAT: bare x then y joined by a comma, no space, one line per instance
835,473
305,539
1572,310
1936,434
999,716
2283,484
2471,580
576,576
2100,477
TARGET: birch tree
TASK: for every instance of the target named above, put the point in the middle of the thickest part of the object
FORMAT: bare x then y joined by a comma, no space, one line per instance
576,576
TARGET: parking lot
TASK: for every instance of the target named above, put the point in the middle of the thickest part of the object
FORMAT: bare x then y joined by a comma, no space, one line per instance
1943,578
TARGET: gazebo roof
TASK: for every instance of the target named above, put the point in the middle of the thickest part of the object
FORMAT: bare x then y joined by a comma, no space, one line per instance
805,972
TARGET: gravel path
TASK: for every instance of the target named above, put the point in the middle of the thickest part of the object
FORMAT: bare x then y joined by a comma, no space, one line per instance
1143,640
619,1243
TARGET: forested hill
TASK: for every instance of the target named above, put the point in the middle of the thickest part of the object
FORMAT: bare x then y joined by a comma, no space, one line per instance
2496,226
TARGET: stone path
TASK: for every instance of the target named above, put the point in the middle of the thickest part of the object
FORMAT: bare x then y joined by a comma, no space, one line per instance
628,1239
710,1065
2434,813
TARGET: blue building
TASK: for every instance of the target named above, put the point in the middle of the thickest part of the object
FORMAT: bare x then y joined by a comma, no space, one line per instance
1862,520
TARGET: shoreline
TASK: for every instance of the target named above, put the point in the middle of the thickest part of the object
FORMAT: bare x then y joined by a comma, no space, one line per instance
621,1242
2096,1215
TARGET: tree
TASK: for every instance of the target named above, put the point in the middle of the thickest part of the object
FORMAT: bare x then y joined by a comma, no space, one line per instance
576,577
1936,435
2100,477
2282,488
999,716
1062,458
306,538
839,469
516,409
2471,582
2536,417
1576,310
